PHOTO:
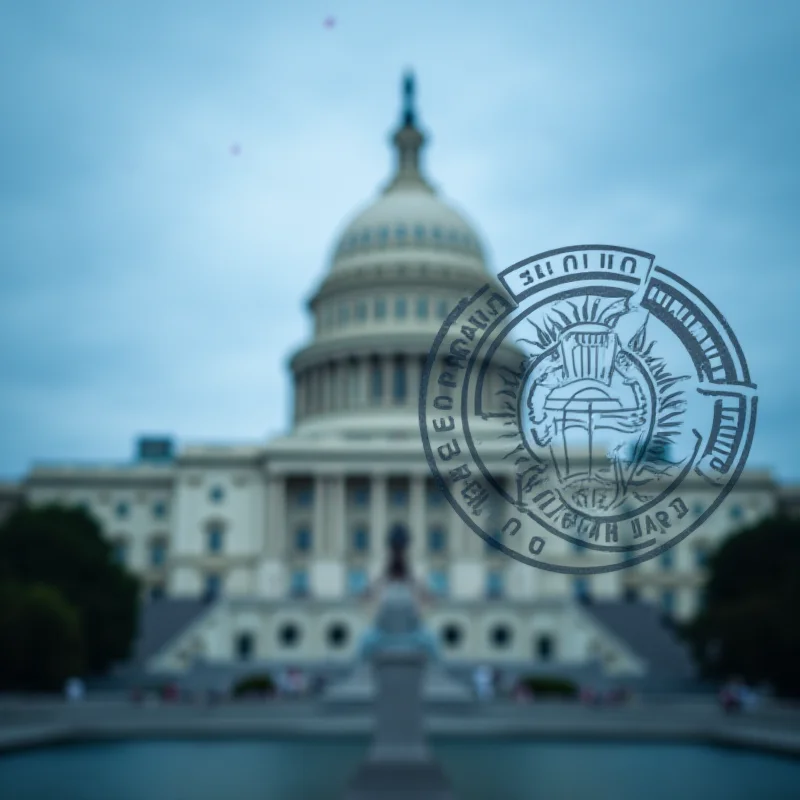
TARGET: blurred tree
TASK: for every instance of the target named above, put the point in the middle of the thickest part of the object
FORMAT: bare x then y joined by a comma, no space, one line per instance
40,638
748,626
64,548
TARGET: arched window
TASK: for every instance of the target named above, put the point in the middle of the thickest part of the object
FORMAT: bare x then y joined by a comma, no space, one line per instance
119,551
545,647
216,494
500,635
289,634
158,551
338,635
452,634
212,587
245,645
215,536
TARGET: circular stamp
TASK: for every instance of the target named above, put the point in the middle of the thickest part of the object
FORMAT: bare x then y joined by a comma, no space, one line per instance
591,400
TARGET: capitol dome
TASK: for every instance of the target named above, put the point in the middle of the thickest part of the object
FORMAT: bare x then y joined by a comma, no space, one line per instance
397,270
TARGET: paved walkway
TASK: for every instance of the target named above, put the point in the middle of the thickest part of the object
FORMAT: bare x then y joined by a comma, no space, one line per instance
35,724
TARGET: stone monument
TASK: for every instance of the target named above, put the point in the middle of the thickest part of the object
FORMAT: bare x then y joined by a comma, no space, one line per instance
399,765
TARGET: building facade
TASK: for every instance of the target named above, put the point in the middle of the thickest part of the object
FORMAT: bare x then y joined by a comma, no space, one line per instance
281,540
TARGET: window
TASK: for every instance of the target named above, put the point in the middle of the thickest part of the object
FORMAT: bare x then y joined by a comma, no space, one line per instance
578,547
380,308
422,307
399,496
437,540
581,589
119,552
668,601
361,540
399,382
494,584
122,510
365,237
213,586
360,496
216,494
383,235
400,232
437,582
158,552
299,583
545,647
344,314
327,318
361,310
338,634
452,237
214,538
302,540
376,382
701,557
400,307
437,234
157,591
419,232
667,561
443,309
305,497
500,636
357,581
452,634
289,634
159,510
435,496
244,646
698,509
631,594
736,512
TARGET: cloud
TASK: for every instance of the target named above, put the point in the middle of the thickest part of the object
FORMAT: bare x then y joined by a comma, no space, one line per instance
153,281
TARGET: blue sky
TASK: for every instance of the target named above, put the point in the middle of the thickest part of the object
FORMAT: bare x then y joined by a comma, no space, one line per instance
154,282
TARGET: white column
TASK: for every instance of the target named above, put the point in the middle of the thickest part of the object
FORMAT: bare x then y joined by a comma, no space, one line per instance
320,529
271,572
378,532
387,362
413,380
362,382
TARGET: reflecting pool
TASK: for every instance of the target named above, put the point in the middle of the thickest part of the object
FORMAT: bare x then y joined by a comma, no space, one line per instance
318,770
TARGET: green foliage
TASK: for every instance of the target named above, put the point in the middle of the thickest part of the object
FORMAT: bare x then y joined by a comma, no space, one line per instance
254,685
748,626
546,686
40,638
63,548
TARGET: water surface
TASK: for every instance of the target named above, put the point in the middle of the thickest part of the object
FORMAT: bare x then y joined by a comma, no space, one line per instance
318,770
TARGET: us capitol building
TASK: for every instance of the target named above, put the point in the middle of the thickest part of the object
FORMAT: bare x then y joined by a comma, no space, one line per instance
263,554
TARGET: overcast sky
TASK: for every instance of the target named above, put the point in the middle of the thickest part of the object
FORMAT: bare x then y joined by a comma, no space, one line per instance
154,280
